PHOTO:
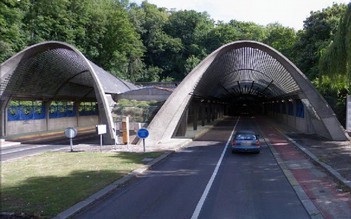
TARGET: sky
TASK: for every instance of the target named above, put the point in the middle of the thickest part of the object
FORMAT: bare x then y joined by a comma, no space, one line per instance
289,13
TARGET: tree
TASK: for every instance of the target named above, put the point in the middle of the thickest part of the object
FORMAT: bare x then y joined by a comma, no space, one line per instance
190,27
221,35
336,59
50,20
101,29
12,34
121,48
160,47
249,30
319,28
281,38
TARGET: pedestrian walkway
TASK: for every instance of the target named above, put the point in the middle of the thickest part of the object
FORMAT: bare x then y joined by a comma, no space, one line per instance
304,170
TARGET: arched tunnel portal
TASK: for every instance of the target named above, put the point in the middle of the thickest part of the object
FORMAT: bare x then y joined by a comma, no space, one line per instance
50,72
250,77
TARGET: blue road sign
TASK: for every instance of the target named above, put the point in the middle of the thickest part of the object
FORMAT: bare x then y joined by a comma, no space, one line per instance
143,133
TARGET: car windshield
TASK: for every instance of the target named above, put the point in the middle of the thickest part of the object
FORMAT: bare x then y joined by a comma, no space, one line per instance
245,137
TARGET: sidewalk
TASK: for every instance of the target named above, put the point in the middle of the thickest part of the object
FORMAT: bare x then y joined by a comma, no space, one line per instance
317,169
333,156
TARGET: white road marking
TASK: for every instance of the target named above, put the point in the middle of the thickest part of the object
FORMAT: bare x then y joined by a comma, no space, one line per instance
210,182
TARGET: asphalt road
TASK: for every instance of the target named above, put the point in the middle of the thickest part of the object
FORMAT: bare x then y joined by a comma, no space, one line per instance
205,180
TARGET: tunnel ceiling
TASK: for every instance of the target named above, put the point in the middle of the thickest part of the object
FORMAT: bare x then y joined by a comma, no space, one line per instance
245,73
53,71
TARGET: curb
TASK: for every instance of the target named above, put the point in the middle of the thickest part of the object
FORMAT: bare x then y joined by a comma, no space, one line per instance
328,168
311,209
108,189
75,209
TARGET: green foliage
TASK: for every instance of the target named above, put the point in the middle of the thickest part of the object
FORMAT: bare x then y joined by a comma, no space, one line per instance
335,67
12,34
138,111
220,35
334,90
191,63
249,30
319,29
190,27
336,59
281,38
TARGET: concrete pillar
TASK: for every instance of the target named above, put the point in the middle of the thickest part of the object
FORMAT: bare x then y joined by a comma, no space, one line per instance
202,113
294,113
3,117
195,115
222,110
76,108
183,124
47,114
286,114
208,114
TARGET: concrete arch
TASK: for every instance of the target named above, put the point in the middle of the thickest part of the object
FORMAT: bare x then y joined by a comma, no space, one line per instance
266,75
57,70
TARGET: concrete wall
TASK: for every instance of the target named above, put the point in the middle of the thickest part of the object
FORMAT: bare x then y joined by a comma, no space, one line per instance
39,125
58,123
307,125
19,127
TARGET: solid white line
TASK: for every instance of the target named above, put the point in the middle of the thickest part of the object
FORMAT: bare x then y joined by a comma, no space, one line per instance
210,182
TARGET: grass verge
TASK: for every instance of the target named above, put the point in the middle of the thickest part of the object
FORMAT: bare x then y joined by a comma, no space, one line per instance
44,185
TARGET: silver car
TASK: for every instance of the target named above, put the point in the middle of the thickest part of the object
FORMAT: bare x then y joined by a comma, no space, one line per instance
246,141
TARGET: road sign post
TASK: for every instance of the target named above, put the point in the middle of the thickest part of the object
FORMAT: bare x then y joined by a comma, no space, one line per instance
143,133
101,129
70,133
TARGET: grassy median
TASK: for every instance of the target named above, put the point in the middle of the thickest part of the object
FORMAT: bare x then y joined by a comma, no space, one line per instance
44,185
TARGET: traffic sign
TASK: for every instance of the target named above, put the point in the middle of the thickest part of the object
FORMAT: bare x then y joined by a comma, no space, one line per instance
143,133
71,132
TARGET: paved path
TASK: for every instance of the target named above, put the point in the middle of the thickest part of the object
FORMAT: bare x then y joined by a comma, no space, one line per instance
320,186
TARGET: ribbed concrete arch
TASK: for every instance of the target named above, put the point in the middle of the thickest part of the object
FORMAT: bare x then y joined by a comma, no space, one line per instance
239,70
58,71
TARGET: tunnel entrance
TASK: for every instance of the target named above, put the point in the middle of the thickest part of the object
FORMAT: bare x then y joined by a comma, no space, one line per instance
246,77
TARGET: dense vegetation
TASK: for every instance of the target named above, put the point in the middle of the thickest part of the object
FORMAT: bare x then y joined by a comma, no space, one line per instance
148,43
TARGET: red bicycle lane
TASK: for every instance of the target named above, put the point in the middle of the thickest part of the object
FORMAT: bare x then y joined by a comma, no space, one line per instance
322,190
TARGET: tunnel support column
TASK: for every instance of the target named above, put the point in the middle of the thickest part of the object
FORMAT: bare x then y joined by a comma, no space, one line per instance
3,119
202,114
183,124
208,114
195,114
47,114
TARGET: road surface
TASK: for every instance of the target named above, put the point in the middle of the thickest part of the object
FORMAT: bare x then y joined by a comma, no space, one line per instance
205,180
